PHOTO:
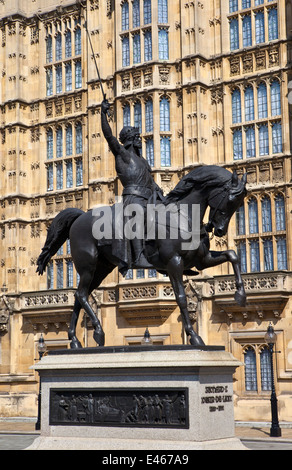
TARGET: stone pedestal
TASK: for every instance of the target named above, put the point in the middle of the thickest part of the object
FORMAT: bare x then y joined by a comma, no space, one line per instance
144,398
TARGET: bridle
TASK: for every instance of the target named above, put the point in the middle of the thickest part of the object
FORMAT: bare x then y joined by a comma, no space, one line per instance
224,194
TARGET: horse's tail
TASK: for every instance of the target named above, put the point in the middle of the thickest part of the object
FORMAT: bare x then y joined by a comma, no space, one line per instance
58,233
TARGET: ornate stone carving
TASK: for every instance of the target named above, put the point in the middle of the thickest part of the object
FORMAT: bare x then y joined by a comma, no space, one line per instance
148,77
264,173
274,57
234,66
6,308
164,75
126,83
260,57
144,292
247,63
250,283
278,171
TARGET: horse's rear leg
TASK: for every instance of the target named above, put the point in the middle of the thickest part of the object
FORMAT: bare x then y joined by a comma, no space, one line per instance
175,271
75,343
90,279
82,294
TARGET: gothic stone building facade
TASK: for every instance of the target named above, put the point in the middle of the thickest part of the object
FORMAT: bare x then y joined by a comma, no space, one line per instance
207,82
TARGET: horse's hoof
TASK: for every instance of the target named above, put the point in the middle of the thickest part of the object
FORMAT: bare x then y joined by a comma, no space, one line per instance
99,337
196,340
240,299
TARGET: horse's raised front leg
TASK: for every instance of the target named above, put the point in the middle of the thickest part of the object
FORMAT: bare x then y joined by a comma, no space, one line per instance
175,270
215,258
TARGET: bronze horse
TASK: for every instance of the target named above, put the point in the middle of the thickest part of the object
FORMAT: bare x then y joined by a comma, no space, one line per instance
209,186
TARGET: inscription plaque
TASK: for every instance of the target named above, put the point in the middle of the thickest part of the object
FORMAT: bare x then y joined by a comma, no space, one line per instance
216,396
162,408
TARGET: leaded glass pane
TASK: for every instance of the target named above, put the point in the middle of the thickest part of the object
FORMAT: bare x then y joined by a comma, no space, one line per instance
266,376
250,370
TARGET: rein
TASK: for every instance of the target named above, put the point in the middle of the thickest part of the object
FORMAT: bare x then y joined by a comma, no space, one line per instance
222,199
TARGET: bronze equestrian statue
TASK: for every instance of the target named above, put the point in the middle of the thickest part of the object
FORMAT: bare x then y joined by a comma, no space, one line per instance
94,259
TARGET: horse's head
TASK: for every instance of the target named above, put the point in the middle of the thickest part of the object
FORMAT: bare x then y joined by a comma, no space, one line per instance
224,202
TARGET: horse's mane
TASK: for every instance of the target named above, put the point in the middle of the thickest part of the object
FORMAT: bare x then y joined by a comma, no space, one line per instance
200,178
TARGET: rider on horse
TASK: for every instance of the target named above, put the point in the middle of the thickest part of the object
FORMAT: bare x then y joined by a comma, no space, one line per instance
135,175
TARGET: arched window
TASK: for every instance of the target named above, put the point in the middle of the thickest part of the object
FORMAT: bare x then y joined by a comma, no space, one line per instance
163,45
58,45
262,101
280,212
136,13
49,81
162,11
68,76
265,362
59,79
164,115
260,27
150,151
268,255
69,273
273,24
266,214
249,104
240,221
50,177
250,370
236,106
246,4
165,153
125,16
79,139
59,142
78,44
147,46
68,44
69,174
264,139
50,276
246,31
59,178
250,142
233,6
277,137
49,49
126,51
282,253
79,172
275,98
50,144
60,274
254,256
147,12
127,115
234,34
69,141
78,74
149,116
253,216
136,49
138,116
237,145
241,252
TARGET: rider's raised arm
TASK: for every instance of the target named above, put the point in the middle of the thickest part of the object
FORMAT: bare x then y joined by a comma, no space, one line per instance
114,144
